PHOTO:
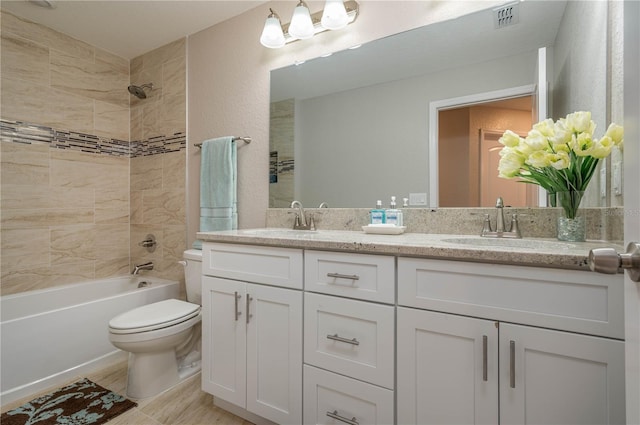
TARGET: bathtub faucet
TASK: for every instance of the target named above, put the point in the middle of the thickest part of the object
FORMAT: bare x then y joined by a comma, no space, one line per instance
145,266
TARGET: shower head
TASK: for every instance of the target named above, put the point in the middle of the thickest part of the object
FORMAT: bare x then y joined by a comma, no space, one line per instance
138,91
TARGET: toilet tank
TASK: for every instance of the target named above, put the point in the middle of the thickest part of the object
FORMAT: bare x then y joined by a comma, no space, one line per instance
193,275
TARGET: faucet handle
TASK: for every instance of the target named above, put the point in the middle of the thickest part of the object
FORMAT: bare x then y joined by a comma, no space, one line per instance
499,202
515,229
486,225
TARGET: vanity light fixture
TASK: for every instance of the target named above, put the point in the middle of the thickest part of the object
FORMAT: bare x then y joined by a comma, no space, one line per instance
337,14
272,34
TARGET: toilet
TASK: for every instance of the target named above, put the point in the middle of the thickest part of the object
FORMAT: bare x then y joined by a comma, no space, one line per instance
163,338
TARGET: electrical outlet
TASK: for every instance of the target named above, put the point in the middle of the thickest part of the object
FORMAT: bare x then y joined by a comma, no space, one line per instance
617,179
603,182
416,199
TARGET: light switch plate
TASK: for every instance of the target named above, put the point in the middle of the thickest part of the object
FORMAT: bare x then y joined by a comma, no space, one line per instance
418,199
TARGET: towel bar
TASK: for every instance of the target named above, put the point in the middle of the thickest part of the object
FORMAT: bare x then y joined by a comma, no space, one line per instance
245,139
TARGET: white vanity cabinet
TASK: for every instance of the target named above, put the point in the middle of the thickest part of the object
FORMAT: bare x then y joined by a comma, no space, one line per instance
479,343
349,340
252,329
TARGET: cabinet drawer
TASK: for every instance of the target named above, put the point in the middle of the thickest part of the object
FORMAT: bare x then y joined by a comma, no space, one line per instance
367,277
354,338
569,300
333,399
258,264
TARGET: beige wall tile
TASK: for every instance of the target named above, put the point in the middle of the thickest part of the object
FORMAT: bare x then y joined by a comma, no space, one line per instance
25,219
112,216
32,197
112,240
118,63
112,267
111,121
136,207
164,207
173,170
25,247
24,164
174,241
150,116
46,36
15,281
112,206
24,59
135,122
79,169
72,244
174,77
146,172
170,51
171,115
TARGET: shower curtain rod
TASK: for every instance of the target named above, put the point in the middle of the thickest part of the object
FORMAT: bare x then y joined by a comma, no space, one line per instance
245,139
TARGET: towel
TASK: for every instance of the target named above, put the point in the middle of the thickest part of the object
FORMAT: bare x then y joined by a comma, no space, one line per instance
218,196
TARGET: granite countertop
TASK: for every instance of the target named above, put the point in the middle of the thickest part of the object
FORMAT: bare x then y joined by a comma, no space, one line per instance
540,252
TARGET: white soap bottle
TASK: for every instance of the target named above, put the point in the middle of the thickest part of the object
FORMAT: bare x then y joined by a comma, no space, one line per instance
393,215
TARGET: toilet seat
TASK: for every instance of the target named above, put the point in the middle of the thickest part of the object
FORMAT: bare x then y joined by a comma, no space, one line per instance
154,316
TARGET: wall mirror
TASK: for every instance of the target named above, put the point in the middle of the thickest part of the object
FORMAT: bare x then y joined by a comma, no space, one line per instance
353,127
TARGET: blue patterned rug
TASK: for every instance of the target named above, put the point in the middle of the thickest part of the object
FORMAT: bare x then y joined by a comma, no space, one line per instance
83,402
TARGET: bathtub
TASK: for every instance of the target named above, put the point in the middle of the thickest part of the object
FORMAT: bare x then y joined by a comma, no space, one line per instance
50,336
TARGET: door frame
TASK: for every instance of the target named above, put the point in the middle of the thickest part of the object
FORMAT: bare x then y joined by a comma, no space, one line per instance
457,102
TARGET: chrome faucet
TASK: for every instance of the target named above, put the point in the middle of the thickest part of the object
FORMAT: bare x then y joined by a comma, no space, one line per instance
145,266
300,222
500,231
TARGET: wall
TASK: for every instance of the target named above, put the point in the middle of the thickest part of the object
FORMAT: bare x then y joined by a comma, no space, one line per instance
158,143
64,210
228,91
73,188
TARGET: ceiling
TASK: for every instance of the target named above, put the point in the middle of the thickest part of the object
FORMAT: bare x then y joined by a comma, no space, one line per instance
130,28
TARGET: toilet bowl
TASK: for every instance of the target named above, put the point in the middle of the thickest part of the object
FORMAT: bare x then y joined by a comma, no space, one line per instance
163,338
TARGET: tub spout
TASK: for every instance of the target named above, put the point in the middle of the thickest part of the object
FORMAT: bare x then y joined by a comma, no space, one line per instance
145,266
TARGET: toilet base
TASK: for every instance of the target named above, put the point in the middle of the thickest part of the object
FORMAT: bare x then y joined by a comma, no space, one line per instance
150,374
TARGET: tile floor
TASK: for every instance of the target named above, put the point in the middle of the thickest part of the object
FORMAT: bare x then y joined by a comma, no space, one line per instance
186,404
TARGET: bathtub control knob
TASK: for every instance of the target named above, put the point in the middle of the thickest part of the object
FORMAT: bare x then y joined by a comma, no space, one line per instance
149,243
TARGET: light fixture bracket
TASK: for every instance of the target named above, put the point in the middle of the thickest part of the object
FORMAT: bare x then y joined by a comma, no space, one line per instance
351,7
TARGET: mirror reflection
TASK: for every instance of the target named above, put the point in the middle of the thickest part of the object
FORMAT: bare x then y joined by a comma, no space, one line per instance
355,127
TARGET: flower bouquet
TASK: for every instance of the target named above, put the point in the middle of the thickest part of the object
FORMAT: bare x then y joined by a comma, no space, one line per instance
561,157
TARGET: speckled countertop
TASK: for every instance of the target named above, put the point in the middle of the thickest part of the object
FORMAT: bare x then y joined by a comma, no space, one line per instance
541,252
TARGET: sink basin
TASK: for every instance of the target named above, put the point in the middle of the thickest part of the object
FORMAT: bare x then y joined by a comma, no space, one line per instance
511,243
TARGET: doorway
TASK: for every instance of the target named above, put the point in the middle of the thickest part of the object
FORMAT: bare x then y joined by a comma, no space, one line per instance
468,153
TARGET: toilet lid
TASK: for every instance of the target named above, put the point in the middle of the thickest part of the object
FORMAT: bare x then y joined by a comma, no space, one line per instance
153,316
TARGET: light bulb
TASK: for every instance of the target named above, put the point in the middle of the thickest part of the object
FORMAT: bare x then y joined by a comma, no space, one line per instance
301,25
334,16
272,35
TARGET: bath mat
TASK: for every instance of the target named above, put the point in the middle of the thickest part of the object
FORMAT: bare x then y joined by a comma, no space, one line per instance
83,402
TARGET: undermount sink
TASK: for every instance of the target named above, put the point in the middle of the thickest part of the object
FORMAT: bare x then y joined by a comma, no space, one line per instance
510,243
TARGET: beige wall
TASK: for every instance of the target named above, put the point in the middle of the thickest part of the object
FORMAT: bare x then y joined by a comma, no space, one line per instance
228,89
68,215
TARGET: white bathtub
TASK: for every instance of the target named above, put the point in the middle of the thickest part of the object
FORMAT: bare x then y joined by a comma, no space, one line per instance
49,336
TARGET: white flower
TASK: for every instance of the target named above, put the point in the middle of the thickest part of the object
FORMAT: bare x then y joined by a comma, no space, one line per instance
562,135
602,148
560,160
536,140
538,159
510,163
510,139
616,133
545,127
582,145
580,122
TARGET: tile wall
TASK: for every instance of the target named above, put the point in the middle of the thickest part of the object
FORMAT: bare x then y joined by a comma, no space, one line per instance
76,194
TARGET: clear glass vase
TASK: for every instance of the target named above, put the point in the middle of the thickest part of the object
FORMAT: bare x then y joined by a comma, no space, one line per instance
571,224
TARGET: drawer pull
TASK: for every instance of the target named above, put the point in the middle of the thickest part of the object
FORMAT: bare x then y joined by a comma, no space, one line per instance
334,415
344,276
335,337
512,364
484,358
236,297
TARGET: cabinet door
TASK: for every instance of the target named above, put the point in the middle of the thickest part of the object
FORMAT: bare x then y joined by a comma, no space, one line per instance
224,339
552,377
274,353
447,369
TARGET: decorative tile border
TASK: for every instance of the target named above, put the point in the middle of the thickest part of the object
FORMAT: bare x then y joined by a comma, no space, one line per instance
28,133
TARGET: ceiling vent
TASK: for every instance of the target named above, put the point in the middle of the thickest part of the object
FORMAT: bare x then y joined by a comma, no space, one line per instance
504,16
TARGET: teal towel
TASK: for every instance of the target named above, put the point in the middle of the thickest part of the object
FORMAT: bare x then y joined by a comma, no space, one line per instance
218,196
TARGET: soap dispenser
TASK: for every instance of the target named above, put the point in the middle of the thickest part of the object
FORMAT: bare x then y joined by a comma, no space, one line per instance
393,215
377,214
